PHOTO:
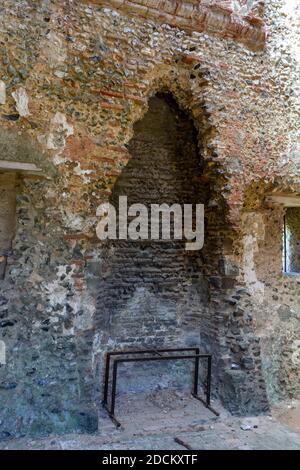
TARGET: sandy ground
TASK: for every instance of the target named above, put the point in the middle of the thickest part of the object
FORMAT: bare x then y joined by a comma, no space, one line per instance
165,420
288,413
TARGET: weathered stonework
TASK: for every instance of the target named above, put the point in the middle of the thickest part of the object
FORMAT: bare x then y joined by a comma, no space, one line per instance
7,214
238,20
292,240
79,77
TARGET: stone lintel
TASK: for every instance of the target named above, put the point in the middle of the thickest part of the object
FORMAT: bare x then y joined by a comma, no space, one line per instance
21,168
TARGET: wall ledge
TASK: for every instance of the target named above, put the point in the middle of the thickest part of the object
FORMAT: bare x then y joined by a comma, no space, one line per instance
21,167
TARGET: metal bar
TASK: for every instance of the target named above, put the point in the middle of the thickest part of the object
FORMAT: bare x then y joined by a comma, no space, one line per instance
162,358
106,379
196,356
196,372
183,443
140,351
114,387
206,406
112,417
147,351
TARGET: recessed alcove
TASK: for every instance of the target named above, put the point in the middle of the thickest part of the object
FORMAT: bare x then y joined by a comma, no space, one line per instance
155,293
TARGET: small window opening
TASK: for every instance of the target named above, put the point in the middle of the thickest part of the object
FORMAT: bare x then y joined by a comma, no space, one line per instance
291,241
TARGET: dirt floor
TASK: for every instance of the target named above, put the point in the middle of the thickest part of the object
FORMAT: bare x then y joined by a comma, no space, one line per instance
288,413
166,420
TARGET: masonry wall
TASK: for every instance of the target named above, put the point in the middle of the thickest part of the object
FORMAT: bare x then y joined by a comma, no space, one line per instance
75,78
7,214
292,240
274,304
155,293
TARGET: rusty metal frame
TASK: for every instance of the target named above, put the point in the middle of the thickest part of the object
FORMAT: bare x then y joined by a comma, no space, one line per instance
155,355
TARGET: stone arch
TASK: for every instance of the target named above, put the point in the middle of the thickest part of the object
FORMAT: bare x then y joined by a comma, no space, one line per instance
162,177
223,325
175,79
158,308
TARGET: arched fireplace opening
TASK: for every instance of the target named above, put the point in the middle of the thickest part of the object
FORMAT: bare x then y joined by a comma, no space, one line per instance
155,294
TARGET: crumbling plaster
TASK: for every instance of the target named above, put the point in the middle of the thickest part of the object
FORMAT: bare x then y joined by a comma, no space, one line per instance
88,73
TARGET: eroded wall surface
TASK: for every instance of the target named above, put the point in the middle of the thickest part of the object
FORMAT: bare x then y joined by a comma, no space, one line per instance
291,240
75,77
7,214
